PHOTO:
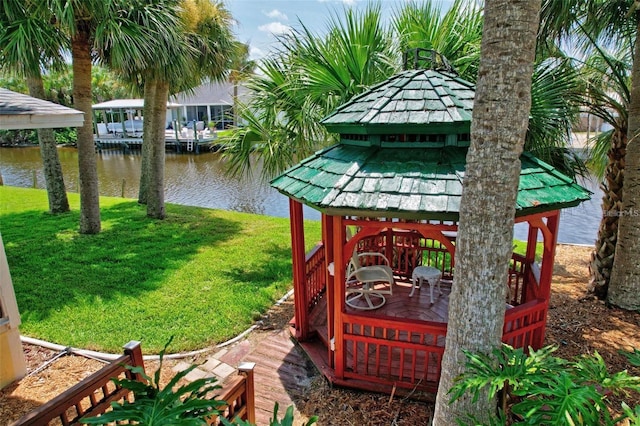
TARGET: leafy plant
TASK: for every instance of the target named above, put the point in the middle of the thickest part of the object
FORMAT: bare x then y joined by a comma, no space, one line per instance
66,136
540,389
287,420
154,405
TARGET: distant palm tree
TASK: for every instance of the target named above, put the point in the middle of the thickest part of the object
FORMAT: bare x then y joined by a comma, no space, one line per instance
455,34
241,68
28,43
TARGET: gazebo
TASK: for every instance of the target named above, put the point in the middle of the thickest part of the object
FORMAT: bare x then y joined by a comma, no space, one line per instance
394,182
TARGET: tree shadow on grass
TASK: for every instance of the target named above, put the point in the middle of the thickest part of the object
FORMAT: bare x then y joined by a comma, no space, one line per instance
53,265
275,267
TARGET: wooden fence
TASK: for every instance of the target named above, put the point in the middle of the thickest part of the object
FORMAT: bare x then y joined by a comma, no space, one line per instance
93,395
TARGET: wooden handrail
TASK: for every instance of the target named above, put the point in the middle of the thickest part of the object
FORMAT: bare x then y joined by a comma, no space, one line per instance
93,395
93,390
239,395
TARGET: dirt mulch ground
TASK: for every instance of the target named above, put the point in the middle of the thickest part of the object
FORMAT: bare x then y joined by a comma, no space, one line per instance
578,324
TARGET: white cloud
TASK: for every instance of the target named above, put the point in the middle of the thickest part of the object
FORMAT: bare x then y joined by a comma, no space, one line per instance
276,14
275,28
346,2
256,53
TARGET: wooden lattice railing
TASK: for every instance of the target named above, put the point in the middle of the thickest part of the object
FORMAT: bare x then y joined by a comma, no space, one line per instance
407,353
93,395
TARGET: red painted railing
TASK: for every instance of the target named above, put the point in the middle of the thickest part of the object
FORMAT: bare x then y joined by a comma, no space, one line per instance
316,275
524,325
393,351
407,249
516,281
406,352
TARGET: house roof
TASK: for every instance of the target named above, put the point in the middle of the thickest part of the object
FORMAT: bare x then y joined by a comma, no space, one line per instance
411,183
422,101
212,93
19,111
126,104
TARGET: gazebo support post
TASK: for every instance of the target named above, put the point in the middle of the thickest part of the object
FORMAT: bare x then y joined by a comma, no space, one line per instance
327,238
338,296
299,276
546,272
549,254
530,256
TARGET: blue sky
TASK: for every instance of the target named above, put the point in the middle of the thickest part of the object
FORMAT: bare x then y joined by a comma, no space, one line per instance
258,21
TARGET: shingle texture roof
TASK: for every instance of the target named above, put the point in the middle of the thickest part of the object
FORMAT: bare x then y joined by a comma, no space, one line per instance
416,183
403,152
18,111
423,98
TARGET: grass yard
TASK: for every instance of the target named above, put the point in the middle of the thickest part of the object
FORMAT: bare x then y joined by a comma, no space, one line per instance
200,275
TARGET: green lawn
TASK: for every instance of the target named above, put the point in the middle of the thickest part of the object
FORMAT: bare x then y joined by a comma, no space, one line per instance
200,275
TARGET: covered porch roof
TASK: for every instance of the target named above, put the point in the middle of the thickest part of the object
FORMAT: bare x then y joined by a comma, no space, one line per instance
18,111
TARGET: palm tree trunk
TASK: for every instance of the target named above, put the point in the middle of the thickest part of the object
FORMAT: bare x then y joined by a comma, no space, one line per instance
605,248
56,191
155,191
487,209
88,180
147,142
624,288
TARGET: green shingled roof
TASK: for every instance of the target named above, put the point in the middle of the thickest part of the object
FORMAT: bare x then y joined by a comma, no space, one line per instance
402,154
413,101
411,183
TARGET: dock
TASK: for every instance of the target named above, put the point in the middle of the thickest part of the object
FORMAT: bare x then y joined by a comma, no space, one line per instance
179,145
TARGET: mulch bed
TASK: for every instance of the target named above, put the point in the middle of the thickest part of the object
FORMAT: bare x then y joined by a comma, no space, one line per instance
578,324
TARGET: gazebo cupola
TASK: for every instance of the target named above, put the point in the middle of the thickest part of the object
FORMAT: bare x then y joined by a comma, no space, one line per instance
395,181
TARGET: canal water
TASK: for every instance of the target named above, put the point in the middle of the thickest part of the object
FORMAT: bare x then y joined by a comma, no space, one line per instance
199,180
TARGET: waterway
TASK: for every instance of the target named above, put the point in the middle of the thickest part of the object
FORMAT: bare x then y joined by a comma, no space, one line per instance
199,180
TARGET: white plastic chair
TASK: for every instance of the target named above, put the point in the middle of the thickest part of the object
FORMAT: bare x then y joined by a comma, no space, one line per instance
369,283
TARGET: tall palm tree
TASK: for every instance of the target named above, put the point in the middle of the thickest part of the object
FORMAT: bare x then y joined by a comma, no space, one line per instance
624,288
485,235
608,76
82,20
605,32
311,76
186,41
27,44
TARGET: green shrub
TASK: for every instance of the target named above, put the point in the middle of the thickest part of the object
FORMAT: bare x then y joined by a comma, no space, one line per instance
540,389
287,420
18,137
156,406
66,136
187,405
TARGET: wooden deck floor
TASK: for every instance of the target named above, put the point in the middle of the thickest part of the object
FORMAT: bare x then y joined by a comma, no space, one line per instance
397,305
282,370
